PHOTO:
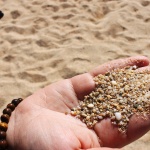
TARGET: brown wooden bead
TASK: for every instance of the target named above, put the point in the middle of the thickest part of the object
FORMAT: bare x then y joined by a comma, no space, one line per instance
2,135
7,111
3,144
15,102
11,106
5,118
3,126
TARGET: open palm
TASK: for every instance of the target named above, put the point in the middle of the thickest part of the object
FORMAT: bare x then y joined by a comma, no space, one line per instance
41,122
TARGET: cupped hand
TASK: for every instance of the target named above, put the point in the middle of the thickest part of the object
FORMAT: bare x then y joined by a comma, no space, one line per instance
41,122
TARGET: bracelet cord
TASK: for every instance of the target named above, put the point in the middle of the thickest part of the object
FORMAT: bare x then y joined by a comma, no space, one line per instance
5,120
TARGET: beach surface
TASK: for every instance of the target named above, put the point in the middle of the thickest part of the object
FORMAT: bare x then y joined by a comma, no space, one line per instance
42,42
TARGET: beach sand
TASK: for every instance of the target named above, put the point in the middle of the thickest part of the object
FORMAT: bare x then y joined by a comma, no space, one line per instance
45,41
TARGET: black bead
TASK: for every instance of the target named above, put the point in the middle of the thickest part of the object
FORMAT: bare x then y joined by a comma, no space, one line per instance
2,135
7,111
1,14
20,100
3,144
15,102
11,106
5,118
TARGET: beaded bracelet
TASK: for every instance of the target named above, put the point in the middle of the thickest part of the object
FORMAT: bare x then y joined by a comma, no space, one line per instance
4,122
1,14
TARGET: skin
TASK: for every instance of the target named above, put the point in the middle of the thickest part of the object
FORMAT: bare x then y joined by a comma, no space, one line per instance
40,122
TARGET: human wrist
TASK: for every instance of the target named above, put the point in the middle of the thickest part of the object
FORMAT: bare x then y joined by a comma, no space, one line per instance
5,117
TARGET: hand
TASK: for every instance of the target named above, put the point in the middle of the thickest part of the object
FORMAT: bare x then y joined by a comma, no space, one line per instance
40,122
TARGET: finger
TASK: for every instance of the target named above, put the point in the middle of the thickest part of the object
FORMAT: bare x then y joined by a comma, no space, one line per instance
111,137
144,69
71,90
139,61
138,126
109,134
84,84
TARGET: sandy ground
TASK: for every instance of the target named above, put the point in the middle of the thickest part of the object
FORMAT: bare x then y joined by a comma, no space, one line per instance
45,41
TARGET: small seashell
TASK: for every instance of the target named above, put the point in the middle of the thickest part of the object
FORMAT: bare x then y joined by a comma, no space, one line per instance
118,115
90,105
107,112
114,82
134,67
124,79
83,115
100,117
87,117
73,113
